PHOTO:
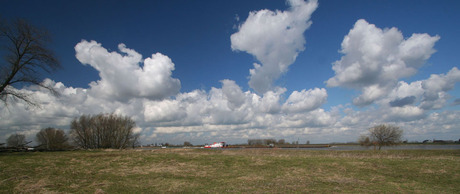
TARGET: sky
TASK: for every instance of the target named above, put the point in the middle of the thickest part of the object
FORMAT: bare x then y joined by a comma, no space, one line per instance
207,71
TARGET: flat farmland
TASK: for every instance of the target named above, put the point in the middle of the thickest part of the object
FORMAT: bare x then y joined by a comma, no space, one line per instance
232,170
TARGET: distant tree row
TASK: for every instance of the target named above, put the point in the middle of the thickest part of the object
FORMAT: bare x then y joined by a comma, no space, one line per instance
87,132
266,142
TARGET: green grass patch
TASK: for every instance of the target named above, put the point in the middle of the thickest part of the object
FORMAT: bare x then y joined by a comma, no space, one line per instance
241,170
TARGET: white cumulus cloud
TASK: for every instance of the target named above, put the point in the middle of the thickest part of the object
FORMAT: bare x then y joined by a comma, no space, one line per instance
305,100
436,87
428,94
122,77
375,59
275,38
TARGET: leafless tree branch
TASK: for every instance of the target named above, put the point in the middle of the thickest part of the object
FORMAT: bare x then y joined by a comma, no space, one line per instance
26,56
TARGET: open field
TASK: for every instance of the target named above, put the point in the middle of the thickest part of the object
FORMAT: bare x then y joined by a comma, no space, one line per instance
239,170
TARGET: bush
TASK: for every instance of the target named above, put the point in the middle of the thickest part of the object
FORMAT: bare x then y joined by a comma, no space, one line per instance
186,143
52,139
16,140
103,131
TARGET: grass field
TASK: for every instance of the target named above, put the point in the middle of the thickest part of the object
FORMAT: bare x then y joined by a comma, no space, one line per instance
240,171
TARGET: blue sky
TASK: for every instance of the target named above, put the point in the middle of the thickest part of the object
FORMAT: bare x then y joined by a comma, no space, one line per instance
196,37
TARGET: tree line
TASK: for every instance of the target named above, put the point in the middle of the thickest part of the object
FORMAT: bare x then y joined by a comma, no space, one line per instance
86,132
254,142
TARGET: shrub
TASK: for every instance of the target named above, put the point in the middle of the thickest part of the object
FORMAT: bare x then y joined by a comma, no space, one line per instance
103,131
52,139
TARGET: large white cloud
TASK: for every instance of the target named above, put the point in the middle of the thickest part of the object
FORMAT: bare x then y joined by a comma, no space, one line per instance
233,93
275,38
230,114
229,105
218,111
421,95
122,77
436,87
305,100
375,59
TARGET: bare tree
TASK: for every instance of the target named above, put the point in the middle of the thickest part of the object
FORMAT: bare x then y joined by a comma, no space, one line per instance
281,141
103,131
187,143
16,140
364,141
135,142
384,135
26,55
52,139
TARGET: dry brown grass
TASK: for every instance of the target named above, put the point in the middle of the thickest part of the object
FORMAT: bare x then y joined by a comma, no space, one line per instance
240,171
